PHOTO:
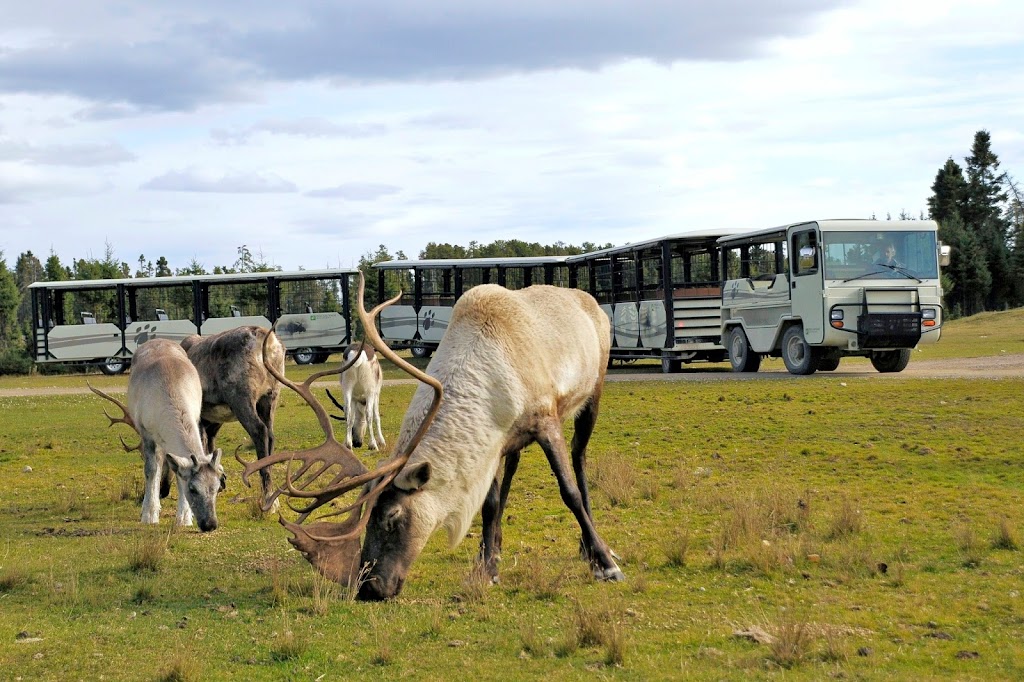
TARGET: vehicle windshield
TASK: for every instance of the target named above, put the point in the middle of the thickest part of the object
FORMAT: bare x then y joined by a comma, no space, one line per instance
880,254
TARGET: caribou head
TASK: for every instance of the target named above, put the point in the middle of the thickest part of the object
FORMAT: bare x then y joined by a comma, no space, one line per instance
326,472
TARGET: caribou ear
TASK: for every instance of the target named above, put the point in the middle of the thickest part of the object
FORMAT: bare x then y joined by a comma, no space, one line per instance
215,459
178,463
413,477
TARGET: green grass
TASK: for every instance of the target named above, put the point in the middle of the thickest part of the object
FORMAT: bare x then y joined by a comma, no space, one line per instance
834,515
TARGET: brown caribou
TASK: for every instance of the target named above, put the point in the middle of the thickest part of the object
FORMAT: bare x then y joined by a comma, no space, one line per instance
237,386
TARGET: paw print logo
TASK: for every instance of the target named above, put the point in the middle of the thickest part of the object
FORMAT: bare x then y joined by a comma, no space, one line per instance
428,320
646,320
144,333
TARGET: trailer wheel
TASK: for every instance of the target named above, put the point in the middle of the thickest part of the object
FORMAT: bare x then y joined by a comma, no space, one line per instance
320,357
828,364
420,351
741,357
304,356
799,357
891,360
112,366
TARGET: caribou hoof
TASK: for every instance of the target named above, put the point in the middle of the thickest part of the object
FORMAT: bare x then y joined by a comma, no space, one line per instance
613,574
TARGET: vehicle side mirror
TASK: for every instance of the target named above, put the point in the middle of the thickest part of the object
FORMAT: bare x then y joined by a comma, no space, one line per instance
945,251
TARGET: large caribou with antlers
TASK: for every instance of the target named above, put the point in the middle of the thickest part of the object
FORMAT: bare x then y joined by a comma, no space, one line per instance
512,366
164,401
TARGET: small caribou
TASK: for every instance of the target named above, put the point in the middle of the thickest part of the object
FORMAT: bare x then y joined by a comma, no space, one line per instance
361,384
164,400
237,386
511,367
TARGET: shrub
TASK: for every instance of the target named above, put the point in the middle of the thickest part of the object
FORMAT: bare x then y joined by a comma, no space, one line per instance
15,361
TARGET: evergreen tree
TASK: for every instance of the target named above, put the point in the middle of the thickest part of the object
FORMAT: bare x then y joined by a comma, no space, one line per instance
145,267
982,212
1015,219
10,298
194,267
971,280
55,270
163,269
27,269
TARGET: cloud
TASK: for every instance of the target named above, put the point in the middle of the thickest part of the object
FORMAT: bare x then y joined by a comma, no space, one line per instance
309,127
80,155
403,40
167,74
181,58
355,191
231,182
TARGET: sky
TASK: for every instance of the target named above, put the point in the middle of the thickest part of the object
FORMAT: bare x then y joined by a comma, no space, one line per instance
312,131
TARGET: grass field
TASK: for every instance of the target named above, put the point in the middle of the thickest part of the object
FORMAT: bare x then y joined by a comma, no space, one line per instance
858,528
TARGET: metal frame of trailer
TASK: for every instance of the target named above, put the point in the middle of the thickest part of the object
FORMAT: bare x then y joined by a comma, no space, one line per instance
103,321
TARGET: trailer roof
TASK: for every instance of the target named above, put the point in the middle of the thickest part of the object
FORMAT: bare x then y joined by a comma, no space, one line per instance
691,236
832,225
512,261
327,273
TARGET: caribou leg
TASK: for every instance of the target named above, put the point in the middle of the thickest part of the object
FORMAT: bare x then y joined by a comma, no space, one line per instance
492,512
209,431
552,441
584,427
152,466
259,432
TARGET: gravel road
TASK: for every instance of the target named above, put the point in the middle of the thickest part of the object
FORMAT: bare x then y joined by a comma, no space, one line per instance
993,367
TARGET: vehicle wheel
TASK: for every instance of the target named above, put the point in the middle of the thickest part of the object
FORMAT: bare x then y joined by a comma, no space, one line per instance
112,366
421,351
891,360
799,357
671,365
741,357
828,364
304,356
320,357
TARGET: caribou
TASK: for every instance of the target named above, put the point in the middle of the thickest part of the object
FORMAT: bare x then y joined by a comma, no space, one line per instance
512,366
361,384
233,367
164,400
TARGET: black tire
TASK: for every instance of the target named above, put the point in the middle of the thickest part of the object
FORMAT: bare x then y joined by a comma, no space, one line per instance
320,357
112,366
799,357
887,361
304,356
420,351
741,357
671,365
829,364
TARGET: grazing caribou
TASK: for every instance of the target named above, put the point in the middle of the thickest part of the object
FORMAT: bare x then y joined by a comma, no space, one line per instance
164,401
361,384
511,367
232,366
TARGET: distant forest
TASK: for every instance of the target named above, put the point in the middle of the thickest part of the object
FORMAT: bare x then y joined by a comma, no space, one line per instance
980,211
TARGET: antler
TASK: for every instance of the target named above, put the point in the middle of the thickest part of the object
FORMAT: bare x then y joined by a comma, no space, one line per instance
328,454
125,419
333,547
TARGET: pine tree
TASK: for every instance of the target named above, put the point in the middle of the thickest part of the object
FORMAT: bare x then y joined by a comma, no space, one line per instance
971,280
10,298
55,270
982,213
948,192
27,269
